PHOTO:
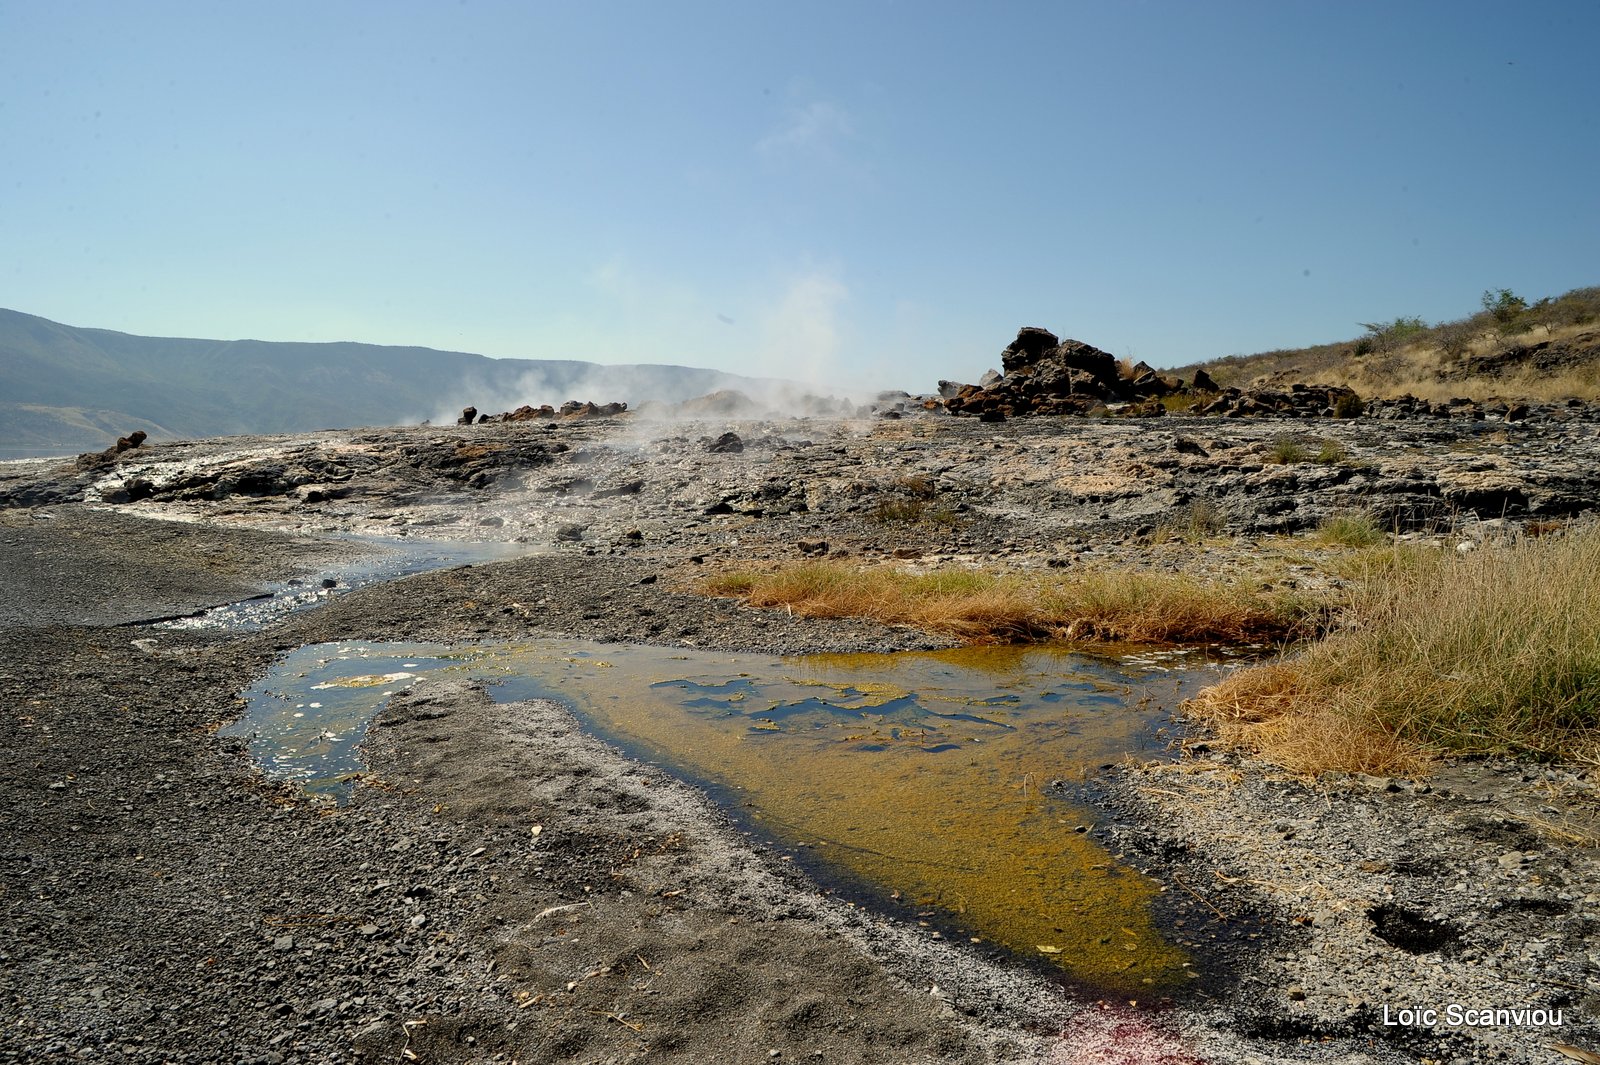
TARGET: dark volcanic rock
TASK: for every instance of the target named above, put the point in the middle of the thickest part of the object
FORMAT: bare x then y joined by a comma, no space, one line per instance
1071,377
1076,355
1065,377
98,459
1031,343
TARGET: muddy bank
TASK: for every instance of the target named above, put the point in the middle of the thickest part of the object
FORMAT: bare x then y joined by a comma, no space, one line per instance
78,567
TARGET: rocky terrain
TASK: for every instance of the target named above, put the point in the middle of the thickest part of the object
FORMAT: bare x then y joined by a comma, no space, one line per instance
164,903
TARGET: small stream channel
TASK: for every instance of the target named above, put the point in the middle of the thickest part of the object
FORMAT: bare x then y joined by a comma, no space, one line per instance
942,780
389,558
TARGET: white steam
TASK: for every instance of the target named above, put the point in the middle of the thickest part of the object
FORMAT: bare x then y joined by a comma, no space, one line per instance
797,351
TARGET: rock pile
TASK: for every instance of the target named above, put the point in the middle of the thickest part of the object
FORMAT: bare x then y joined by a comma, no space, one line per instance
1296,401
1046,375
94,459
572,408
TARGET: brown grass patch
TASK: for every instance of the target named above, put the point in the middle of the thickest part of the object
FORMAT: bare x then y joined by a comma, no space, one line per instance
1425,363
1494,652
985,606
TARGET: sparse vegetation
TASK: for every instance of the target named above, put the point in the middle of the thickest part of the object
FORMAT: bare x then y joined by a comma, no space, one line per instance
917,486
908,502
1349,406
897,511
1351,530
1493,651
1198,520
1331,453
1286,450
1386,336
1404,356
982,605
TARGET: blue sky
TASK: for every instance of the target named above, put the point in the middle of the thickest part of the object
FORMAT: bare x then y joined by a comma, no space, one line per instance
879,193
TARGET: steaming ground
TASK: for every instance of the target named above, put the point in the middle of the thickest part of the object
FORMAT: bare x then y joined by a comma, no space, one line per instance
163,904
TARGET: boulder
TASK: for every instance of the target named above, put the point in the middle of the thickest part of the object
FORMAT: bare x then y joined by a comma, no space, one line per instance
95,459
1076,355
1031,344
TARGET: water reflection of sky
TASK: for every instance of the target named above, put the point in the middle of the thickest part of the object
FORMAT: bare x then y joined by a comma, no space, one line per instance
927,775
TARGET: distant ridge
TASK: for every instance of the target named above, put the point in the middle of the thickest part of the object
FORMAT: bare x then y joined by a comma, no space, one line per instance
64,388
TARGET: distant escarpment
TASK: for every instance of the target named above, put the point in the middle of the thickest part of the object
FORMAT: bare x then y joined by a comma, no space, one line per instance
65,389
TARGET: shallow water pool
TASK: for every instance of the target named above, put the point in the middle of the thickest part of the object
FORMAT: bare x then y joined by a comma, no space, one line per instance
939,780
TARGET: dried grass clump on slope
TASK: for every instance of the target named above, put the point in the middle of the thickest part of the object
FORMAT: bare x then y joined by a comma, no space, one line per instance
1496,651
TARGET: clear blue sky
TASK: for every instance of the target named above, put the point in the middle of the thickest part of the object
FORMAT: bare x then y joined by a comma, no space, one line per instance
881,190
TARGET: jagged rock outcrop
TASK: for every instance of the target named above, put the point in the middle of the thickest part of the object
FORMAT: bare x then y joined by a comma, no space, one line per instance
1046,375
96,459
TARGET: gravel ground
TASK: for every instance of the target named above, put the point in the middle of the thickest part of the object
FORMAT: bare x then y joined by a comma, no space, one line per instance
163,903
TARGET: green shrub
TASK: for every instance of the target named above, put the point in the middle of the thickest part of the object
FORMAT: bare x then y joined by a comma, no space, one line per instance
1505,305
1286,450
1349,406
1386,336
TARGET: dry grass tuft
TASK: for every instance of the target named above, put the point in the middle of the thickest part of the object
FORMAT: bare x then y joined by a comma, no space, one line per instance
1497,651
1271,710
1351,530
1195,522
984,606
1286,451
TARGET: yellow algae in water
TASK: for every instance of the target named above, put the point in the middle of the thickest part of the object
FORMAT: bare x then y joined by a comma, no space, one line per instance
862,694
910,803
924,775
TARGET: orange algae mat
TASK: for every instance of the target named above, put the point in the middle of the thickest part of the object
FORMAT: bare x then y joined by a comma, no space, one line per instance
929,777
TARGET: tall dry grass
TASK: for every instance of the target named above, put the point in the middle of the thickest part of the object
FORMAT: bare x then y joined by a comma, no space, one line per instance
1494,651
1423,364
987,606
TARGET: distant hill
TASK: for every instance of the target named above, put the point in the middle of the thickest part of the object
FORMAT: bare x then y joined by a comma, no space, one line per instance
65,389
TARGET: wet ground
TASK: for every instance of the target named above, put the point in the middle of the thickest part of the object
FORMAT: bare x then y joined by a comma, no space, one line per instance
945,782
